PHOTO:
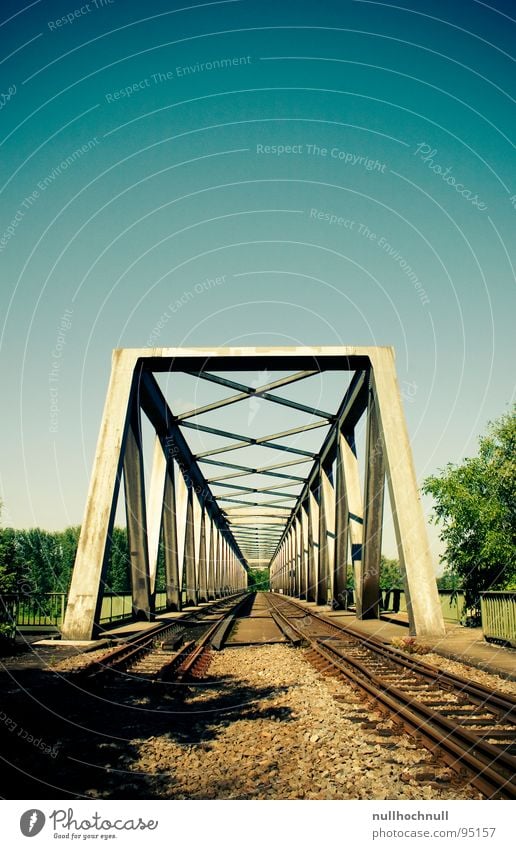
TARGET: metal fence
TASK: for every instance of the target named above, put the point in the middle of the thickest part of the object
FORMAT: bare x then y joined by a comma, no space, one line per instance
452,603
499,617
43,610
47,609
116,606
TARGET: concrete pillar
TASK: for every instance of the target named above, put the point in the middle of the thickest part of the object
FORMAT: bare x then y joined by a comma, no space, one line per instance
203,560
231,571
340,566
321,593
296,552
155,509
190,570
224,563
181,511
424,609
304,550
355,511
292,562
300,558
217,562
373,513
170,541
313,546
85,596
197,517
328,497
136,515
212,550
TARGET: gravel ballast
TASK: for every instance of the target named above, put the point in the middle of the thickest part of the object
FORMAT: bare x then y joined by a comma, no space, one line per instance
265,724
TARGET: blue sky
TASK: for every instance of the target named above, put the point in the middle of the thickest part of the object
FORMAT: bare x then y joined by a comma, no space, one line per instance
250,173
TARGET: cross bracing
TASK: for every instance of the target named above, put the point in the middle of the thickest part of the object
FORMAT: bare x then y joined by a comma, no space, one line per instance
262,472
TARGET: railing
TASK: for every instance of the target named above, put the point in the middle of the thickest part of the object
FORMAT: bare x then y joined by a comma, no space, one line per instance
47,609
43,610
452,603
499,617
116,606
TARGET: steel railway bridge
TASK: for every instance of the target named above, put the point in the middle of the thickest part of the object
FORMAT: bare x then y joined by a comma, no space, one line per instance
216,509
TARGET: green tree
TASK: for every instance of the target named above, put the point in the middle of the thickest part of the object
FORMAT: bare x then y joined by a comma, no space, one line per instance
9,564
258,579
39,556
68,541
118,578
390,574
475,504
449,580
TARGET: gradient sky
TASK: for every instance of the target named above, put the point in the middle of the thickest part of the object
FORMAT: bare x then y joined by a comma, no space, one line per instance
169,120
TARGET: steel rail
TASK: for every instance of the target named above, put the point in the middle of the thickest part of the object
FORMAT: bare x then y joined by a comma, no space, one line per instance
500,702
439,733
120,657
492,769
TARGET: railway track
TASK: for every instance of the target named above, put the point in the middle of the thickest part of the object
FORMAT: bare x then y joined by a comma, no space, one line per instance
470,726
171,651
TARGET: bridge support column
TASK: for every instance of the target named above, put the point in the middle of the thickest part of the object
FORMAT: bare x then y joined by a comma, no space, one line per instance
373,512
340,566
212,555
304,551
136,516
203,576
355,512
85,596
299,552
155,511
424,609
326,527
170,541
292,561
313,546
328,497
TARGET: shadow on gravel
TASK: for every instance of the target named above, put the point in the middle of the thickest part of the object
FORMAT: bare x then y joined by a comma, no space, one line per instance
60,740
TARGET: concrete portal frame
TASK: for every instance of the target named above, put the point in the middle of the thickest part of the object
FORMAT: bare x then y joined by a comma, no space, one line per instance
307,545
